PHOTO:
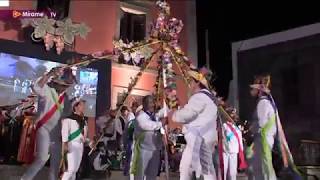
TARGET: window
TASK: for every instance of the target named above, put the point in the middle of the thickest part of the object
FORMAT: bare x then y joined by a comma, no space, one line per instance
133,20
132,26
61,7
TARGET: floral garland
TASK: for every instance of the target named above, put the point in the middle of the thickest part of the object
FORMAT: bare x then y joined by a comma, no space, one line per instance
167,30
183,65
164,31
133,52
54,32
159,93
134,81
169,80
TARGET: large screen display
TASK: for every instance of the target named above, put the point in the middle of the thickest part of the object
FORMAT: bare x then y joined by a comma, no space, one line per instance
17,73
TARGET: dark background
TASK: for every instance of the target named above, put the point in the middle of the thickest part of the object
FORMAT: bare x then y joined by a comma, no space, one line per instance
229,22
295,69
293,65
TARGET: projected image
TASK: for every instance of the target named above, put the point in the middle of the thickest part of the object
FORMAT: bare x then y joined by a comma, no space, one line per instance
86,88
17,73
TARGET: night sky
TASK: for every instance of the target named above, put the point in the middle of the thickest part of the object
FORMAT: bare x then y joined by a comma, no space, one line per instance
233,22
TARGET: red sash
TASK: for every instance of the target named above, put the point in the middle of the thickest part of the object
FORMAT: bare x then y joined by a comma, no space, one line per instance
242,164
50,113
220,151
45,118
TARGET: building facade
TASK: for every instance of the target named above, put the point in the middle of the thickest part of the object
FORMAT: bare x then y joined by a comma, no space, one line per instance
114,19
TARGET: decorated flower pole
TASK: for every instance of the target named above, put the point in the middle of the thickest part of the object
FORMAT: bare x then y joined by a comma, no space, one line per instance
165,130
163,43
167,32
164,35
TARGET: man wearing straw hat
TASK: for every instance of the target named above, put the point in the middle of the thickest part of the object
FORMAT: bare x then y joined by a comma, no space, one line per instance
198,117
50,88
264,128
267,128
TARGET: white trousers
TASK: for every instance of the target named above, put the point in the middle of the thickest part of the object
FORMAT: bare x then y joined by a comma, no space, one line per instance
230,163
206,151
74,157
43,143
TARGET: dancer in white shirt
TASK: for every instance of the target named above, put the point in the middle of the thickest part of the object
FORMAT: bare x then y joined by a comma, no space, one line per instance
74,135
264,128
51,107
199,119
147,141
233,147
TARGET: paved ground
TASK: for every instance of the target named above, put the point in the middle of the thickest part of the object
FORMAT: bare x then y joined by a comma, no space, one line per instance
10,172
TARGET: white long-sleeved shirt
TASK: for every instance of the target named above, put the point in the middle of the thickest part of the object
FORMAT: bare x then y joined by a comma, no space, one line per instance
46,102
145,122
265,112
131,116
199,111
69,126
231,144
118,125
151,129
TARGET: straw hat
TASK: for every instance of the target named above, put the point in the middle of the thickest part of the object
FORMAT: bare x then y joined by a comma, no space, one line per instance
262,83
199,77
66,79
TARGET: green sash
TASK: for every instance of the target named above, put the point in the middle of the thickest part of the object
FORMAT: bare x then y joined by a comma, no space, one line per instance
136,154
266,155
266,150
74,135
131,129
55,99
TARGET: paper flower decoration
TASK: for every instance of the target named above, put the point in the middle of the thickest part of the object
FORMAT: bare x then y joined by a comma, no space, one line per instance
67,30
165,30
82,30
43,26
54,32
